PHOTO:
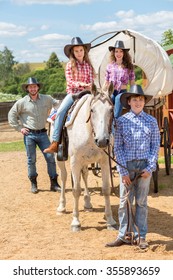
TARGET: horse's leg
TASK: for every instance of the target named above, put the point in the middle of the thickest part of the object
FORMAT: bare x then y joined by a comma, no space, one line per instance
87,199
111,223
63,174
76,177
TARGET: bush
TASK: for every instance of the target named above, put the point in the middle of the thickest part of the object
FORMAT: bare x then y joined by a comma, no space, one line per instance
12,89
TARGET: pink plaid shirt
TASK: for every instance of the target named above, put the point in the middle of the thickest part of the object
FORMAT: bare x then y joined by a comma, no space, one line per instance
119,76
84,74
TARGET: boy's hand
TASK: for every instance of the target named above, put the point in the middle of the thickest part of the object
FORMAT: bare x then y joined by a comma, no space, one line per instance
145,174
126,180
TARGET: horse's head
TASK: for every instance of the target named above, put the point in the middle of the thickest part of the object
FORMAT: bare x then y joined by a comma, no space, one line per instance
101,116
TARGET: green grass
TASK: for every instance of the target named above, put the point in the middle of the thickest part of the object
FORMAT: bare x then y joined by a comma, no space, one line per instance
19,146
162,186
12,146
162,160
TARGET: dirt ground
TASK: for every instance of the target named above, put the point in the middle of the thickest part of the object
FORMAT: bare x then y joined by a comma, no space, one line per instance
31,230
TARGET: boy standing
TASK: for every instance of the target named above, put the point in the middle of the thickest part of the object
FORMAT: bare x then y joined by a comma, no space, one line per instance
136,147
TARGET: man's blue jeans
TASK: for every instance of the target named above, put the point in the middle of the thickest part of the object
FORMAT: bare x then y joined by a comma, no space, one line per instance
139,191
60,116
31,141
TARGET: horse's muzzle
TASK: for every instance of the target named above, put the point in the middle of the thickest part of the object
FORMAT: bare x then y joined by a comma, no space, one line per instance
102,143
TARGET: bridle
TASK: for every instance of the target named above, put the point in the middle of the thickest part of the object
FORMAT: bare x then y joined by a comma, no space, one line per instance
103,98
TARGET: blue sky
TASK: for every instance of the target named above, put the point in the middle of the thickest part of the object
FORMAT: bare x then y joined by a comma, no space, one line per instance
33,29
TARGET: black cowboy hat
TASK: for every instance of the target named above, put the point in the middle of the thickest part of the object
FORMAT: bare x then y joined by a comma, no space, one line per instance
76,41
31,81
118,45
134,90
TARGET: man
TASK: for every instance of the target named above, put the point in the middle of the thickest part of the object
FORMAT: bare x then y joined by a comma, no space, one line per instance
136,147
28,116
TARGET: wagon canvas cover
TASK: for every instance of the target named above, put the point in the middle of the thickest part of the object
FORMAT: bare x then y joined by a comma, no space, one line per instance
146,53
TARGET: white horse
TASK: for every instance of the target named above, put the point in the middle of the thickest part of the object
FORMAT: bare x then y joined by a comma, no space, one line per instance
89,135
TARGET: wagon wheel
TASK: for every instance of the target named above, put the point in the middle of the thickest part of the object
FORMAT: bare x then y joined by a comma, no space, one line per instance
167,146
155,178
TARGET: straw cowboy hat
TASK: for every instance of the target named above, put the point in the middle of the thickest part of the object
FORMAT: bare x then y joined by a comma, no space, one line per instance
134,90
76,41
31,81
118,45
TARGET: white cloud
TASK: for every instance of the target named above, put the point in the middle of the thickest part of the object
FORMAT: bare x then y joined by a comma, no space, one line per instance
121,14
50,38
50,43
43,46
30,56
44,27
101,26
144,23
10,29
42,54
55,2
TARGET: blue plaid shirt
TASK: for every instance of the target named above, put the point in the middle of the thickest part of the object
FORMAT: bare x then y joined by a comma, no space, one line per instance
136,137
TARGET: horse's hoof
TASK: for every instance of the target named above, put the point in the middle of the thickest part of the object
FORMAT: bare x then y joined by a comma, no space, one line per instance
88,209
112,227
75,228
60,212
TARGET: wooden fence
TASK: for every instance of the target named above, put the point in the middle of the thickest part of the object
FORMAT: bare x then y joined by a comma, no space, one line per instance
4,109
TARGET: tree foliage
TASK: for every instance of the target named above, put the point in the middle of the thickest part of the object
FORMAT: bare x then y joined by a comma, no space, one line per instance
53,62
167,38
21,69
13,75
6,64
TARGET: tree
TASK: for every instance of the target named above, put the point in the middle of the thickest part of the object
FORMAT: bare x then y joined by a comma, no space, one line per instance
53,62
6,64
167,38
21,69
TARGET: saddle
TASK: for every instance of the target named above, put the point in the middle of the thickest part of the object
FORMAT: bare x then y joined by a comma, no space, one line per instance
62,154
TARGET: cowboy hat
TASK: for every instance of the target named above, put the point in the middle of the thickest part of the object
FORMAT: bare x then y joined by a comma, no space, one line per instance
31,81
118,45
76,41
134,90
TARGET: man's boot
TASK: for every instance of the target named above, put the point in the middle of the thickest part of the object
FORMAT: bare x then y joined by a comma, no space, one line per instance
33,184
54,187
53,148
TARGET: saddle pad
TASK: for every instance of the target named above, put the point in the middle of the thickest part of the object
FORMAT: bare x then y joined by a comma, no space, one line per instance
76,109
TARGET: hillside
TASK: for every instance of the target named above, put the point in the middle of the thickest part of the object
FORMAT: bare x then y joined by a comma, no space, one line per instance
37,66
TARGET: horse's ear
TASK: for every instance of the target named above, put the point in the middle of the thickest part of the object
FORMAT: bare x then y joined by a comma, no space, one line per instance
111,88
94,89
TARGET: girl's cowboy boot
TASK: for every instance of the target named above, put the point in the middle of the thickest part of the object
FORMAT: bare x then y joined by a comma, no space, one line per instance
53,148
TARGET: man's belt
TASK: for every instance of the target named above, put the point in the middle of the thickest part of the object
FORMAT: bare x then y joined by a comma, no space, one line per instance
37,130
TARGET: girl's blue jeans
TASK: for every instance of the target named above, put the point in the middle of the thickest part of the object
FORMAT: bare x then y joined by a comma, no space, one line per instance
116,101
60,116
